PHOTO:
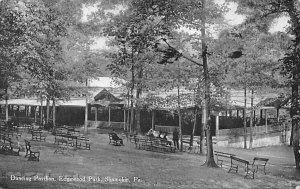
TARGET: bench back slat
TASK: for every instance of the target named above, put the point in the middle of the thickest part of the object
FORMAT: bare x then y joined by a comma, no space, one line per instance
240,160
260,159
223,154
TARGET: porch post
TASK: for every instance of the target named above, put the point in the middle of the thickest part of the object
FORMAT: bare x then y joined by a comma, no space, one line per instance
152,120
96,116
109,116
266,120
35,108
124,112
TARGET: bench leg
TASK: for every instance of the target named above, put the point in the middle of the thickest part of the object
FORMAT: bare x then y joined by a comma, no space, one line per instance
248,172
232,167
34,156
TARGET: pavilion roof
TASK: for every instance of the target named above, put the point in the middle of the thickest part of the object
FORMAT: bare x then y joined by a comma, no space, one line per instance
105,98
277,102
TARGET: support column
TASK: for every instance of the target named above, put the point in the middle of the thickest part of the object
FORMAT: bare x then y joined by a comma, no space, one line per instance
14,111
41,112
153,119
266,120
261,114
35,117
109,116
124,112
6,109
96,116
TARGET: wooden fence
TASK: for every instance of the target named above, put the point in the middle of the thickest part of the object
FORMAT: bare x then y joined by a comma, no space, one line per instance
276,127
168,129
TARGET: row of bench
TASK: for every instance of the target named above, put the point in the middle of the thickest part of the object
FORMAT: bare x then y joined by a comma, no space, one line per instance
65,141
234,162
38,135
153,144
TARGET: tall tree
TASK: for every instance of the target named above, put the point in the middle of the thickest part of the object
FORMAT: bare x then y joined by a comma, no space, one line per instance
263,12
193,15
33,32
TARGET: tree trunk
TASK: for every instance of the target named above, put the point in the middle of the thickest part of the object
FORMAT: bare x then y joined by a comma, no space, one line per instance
245,109
131,99
53,115
292,133
6,105
128,120
202,133
48,111
194,127
128,112
138,119
179,118
35,116
138,94
295,121
86,108
251,120
41,112
210,162
131,118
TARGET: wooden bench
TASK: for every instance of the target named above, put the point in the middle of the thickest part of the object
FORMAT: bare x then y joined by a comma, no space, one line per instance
141,143
260,162
186,147
83,142
166,146
8,147
38,135
63,148
156,144
236,162
63,144
114,139
32,155
59,139
133,138
223,158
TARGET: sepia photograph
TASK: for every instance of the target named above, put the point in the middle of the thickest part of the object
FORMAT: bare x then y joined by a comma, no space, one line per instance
149,94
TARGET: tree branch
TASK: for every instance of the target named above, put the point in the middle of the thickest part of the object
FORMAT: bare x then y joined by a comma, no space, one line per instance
181,54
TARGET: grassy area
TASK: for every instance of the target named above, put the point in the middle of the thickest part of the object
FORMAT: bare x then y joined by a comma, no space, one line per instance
121,167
